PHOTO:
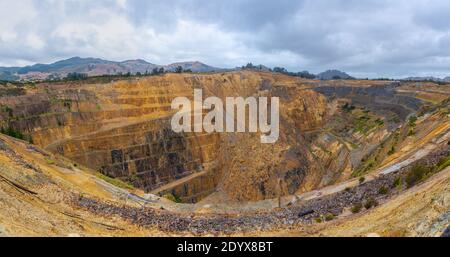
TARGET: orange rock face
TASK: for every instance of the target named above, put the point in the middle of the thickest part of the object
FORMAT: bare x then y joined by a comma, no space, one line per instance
122,129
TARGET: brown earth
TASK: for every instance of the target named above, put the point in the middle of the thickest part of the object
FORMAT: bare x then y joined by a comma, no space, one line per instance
332,132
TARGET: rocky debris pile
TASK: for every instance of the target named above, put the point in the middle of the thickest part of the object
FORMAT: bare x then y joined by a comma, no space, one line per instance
196,224
285,218
16,157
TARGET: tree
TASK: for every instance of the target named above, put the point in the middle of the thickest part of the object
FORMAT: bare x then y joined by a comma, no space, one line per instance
76,76
178,69
280,70
249,66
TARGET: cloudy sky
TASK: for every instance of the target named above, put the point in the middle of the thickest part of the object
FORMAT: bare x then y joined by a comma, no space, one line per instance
367,38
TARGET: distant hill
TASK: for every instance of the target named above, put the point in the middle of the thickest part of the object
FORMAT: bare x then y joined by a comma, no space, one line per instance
429,78
193,66
333,74
93,67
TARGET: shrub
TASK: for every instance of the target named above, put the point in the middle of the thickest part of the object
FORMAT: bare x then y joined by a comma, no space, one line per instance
361,180
329,216
383,190
391,151
114,181
16,134
347,108
318,219
172,197
76,76
412,121
371,202
443,163
416,174
12,133
397,183
49,161
356,208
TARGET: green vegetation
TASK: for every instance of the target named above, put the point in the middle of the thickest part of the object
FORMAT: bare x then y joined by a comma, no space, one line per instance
412,124
391,151
357,208
364,121
329,217
347,107
12,91
157,71
383,190
419,172
371,202
397,183
361,180
114,181
443,163
386,147
76,76
318,219
67,104
379,122
7,110
416,174
16,134
179,69
172,197
412,121
49,161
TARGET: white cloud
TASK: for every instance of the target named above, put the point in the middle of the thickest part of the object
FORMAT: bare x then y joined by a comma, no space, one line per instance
368,38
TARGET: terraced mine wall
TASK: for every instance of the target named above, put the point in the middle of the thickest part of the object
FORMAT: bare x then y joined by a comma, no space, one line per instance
147,154
378,98
121,128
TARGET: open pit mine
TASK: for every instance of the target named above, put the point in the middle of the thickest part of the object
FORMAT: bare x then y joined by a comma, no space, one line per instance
98,157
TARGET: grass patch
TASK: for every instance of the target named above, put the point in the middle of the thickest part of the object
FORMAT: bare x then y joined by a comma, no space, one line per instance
397,183
383,190
371,202
361,180
347,107
416,174
444,162
7,110
114,181
357,208
49,161
16,134
419,173
329,217
412,121
172,197
391,151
